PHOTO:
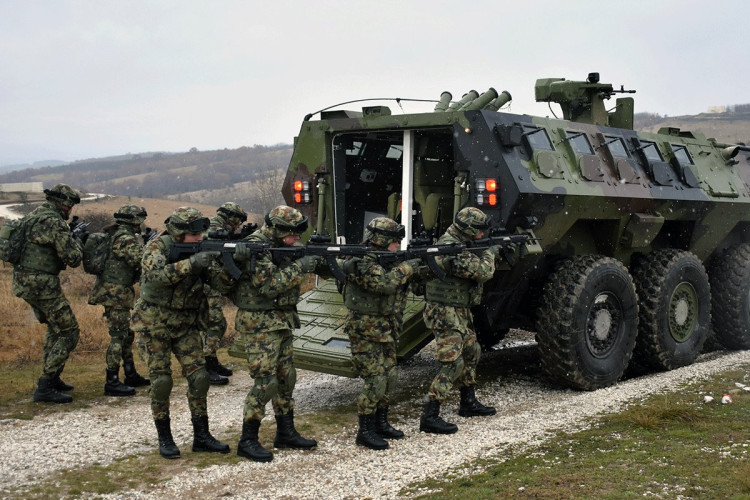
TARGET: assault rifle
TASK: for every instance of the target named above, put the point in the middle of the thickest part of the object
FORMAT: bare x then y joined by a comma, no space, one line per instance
180,251
78,228
499,236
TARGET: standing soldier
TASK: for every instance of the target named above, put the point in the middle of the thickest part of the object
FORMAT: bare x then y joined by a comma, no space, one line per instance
114,290
229,217
167,318
267,297
49,248
376,297
447,313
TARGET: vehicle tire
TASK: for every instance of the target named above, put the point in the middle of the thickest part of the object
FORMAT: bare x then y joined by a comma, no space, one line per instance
675,309
729,276
587,322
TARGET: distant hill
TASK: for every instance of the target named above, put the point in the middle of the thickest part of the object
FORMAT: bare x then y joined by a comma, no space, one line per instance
171,175
730,127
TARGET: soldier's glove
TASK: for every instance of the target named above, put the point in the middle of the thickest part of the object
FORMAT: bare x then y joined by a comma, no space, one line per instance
309,263
201,261
411,266
242,253
349,266
495,250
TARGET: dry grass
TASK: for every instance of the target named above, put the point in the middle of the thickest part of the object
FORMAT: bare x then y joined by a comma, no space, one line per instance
22,336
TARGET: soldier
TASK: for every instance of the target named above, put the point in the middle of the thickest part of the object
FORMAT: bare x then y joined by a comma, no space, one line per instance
229,217
114,290
166,318
447,313
267,298
49,248
376,297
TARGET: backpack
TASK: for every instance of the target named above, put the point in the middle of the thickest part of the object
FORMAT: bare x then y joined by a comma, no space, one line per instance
12,240
95,252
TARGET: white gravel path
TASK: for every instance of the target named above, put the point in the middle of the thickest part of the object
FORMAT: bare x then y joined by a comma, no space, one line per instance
529,411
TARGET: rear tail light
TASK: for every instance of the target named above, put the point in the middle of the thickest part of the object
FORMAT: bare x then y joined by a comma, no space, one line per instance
486,192
302,194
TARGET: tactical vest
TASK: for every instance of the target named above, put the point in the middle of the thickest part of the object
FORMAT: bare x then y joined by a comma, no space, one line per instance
363,301
40,258
453,291
187,294
248,297
116,270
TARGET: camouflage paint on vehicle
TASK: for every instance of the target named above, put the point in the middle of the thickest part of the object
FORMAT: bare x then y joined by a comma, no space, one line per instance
601,197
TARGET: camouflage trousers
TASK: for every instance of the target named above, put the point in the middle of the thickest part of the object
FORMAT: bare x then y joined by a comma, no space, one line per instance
162,332
270,360
62,331
374,358
457,349
217,326
120,349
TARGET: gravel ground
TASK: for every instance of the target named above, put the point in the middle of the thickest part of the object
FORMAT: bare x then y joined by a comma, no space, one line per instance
529,411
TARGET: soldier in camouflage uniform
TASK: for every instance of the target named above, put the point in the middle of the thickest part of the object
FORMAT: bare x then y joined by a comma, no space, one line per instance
114,290
267,298
229,217
167,320
375,296
447,313
49,249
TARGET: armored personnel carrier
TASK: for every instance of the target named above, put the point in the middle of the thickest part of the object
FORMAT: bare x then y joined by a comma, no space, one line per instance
642,238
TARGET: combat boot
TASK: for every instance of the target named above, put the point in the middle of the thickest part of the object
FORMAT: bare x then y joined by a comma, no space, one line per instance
132,377
383,427
249,447
167,448
366,435
470,407
113,386
59,385
219,368
431,421
288,437
202,438
213,377
46,393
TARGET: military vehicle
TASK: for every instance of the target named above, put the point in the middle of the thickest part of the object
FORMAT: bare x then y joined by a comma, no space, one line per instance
642,238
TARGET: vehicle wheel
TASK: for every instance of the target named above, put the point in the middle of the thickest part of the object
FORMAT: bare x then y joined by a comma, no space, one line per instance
730,297
675,309
587,322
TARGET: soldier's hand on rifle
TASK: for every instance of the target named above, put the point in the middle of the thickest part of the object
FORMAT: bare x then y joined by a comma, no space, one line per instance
349,266
242,253
309,263
495,250
411,266
201,261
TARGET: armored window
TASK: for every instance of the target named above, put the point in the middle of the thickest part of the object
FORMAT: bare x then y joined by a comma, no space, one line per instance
537,138
616,147
650,151
395,152
681,153
355,148
579,142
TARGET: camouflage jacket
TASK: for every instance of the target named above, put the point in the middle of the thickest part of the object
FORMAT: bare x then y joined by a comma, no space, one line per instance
48,250
114,287
173,285
268,296
466,274
372,289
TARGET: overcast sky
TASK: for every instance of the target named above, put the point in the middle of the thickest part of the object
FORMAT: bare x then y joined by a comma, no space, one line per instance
83,79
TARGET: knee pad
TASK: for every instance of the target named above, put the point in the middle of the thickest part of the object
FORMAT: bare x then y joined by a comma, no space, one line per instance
161,388
199,381
379,385
265,388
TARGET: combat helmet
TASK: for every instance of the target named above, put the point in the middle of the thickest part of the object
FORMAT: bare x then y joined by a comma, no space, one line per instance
63,194
186,220
470,221
232,210
382,231
131,214
283,221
